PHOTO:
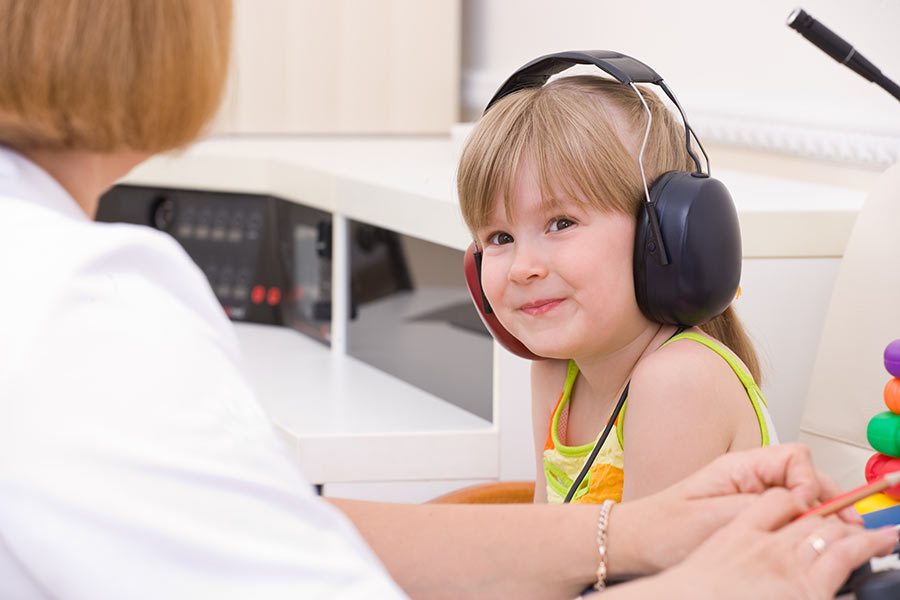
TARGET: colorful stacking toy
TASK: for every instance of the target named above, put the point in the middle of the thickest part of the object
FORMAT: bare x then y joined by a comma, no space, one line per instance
883,433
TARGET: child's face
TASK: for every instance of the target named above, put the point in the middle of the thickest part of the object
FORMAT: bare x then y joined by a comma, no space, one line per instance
560,280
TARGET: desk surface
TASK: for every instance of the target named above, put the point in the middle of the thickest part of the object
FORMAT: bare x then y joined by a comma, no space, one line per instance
408,184
349,421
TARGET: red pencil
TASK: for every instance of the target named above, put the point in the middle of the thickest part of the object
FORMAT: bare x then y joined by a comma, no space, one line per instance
844,500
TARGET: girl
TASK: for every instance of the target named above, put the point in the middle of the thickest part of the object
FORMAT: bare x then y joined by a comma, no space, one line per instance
550,186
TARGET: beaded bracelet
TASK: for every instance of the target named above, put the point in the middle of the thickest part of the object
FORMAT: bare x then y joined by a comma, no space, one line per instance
602,524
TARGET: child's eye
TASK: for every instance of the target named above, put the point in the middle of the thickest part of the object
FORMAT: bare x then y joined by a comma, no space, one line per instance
561,223
500,238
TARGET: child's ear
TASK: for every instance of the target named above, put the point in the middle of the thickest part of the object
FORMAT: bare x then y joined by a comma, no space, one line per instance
472,269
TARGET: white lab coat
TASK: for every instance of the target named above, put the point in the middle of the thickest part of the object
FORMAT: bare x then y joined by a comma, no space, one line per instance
134,460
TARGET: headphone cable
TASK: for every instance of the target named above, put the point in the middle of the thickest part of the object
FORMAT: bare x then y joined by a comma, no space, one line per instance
606,430
600,441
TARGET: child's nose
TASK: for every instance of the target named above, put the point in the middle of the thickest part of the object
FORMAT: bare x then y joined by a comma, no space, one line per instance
528,264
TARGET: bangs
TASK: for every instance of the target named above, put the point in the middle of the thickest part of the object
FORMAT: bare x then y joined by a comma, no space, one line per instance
576,146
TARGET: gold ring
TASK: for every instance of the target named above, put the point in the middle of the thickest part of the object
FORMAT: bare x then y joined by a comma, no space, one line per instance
818,543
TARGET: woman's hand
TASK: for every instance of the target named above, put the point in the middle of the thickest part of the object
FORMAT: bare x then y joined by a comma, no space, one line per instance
658,531
762,553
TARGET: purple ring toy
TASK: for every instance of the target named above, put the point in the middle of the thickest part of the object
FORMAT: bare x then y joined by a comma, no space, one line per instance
892,358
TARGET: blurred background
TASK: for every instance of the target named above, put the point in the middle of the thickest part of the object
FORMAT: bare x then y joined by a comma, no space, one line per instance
356,109
760,96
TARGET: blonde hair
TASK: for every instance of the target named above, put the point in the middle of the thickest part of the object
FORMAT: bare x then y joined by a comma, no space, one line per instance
107,75
583,133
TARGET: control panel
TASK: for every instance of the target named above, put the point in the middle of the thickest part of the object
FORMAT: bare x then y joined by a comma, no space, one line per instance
267,260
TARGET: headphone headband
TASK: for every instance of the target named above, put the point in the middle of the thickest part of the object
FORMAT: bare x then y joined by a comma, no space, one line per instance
625,69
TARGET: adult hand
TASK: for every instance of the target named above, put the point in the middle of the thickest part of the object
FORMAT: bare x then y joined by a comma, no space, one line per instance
655,532
763,554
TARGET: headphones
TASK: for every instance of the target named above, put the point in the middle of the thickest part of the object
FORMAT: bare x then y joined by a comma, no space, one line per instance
687,246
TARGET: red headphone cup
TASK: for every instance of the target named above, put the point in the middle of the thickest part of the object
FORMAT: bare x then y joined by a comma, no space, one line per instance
504,337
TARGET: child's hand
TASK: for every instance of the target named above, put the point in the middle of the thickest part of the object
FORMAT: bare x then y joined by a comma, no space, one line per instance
658,531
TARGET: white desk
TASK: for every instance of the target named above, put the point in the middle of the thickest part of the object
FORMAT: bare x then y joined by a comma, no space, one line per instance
349,421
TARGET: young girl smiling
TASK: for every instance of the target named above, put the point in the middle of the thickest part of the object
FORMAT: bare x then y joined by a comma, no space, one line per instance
550,185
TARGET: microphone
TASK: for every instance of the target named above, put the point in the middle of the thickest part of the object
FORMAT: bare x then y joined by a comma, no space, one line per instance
838,49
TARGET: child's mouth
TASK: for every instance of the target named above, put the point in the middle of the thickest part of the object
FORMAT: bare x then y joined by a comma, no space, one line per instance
539,307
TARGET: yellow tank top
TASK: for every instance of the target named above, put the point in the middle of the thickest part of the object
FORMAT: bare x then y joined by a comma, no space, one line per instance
606,476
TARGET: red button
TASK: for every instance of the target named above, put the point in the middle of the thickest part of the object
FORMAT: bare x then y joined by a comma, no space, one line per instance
257,294
274,296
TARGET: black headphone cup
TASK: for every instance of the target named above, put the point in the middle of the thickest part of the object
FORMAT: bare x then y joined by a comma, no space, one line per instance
639,267
701,234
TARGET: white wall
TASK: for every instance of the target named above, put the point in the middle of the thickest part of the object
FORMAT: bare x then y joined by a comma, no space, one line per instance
744,77
343,67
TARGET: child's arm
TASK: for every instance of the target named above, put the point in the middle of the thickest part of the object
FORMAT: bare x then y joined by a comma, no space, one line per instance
547,380
685,407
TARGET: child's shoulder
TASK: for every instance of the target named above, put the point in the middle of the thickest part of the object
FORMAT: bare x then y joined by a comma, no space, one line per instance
687,386
686,364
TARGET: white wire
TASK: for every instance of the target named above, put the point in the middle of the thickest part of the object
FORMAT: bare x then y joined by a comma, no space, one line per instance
644,143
